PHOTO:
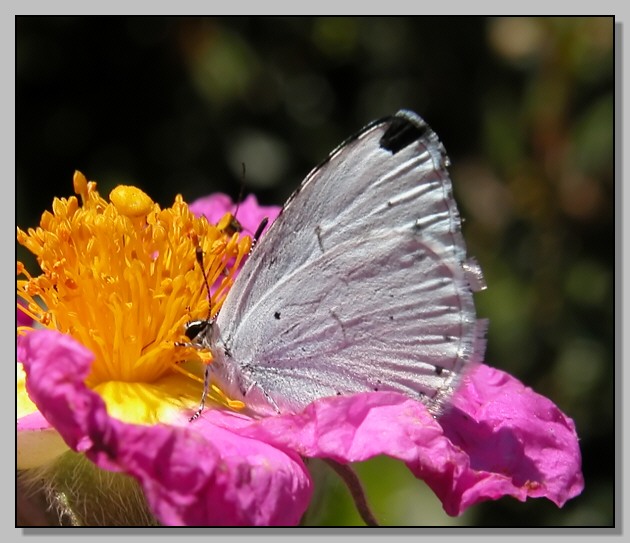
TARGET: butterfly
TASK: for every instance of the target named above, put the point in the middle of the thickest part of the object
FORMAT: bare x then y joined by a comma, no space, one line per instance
361,284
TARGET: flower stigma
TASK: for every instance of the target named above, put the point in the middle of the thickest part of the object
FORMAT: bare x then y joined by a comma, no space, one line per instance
121,277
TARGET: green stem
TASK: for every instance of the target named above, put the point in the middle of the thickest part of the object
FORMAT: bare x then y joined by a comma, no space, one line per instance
350,478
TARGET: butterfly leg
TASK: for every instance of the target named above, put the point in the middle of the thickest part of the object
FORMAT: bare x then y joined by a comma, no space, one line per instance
206,387
267,397
273,404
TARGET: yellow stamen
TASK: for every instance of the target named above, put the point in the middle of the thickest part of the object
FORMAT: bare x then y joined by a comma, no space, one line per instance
131,201
122,279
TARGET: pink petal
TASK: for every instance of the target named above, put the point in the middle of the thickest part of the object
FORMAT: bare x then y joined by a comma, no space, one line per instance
352,428
500,438
522,437
195,475
32,421
58,364
211,476
518,458
22,318
249,213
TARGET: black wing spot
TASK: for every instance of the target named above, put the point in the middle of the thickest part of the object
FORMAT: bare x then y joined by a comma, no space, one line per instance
318,233
277,315
403,131
438,370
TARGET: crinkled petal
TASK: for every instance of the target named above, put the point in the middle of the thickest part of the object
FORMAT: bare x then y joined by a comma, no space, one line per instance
211,476
250,213
513,435
354,428
197,475
518,458
55,365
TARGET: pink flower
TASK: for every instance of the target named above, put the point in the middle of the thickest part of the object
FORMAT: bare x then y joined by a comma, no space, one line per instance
192,474
214,206
499,438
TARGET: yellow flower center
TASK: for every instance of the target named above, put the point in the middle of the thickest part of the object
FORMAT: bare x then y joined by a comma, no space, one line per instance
121,277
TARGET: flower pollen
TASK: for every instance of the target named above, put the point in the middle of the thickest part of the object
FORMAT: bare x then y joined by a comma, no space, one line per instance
131,201
121,277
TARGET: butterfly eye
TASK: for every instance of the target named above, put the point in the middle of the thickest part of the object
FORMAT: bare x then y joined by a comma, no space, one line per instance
195,330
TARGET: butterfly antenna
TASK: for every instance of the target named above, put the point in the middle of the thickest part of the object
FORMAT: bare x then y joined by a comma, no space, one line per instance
199,257
241,190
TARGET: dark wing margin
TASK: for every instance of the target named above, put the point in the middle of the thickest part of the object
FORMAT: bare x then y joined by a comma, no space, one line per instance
405,128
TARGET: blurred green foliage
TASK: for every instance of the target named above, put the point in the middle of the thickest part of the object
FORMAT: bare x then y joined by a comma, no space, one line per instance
524,107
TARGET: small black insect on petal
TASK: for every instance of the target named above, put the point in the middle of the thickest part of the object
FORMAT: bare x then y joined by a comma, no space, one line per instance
438,370
277,315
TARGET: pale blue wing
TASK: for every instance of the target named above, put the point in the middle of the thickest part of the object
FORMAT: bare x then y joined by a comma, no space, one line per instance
361,284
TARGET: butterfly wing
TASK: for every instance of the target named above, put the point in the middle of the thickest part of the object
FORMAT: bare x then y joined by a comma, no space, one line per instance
361,284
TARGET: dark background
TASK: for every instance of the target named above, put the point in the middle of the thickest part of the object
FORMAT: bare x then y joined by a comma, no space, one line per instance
524,107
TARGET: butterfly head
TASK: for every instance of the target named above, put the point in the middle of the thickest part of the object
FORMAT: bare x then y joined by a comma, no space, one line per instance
199,333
